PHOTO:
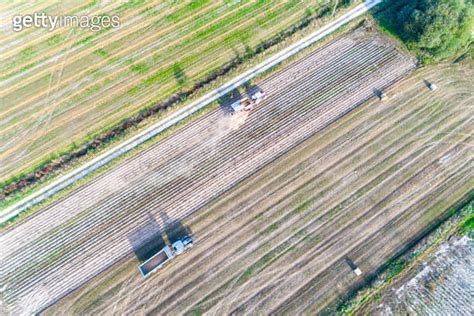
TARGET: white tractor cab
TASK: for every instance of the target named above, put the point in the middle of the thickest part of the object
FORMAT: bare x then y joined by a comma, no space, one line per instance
247,103
258,97
383,96
432,86
181,245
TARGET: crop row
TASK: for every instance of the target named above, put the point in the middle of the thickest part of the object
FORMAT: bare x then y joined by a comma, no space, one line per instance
249,254
92,235
97,83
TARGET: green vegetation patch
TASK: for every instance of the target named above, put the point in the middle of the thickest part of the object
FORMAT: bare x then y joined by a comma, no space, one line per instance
467,225
102,53
130,5
192,7
140,68
433,29
395,268
270,229
55,40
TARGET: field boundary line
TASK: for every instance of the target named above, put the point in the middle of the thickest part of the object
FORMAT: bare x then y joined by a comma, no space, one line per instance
122,148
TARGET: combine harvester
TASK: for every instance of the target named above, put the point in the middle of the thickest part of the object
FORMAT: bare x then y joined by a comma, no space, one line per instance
165,255
247,103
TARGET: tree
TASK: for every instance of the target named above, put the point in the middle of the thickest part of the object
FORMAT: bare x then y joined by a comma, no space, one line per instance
434,29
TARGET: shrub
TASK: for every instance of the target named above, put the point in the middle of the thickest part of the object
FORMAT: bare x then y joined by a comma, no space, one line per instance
433,29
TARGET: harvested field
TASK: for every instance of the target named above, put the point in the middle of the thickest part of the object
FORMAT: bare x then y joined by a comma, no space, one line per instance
278,241
61,87
362,188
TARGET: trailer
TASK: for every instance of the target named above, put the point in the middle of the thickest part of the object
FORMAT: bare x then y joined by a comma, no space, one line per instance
165,255
156,261
243,104
248,103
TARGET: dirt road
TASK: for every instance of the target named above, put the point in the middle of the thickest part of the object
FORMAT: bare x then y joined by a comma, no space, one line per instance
66,244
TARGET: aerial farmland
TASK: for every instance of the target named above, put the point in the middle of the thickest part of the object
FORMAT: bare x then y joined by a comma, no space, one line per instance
328,150
279,241
62,87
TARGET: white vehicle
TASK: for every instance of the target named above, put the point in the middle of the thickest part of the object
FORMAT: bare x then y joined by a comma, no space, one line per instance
247,103
357,271
181,245
258,97
432,86
165,255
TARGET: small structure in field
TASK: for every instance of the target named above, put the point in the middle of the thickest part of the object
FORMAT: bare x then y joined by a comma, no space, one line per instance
357,271
353,266
383,96
432,86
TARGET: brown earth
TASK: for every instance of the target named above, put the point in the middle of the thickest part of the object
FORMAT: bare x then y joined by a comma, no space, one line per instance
267,245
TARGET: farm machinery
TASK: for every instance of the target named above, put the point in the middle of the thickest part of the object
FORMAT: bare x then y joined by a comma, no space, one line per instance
248,103
165,255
